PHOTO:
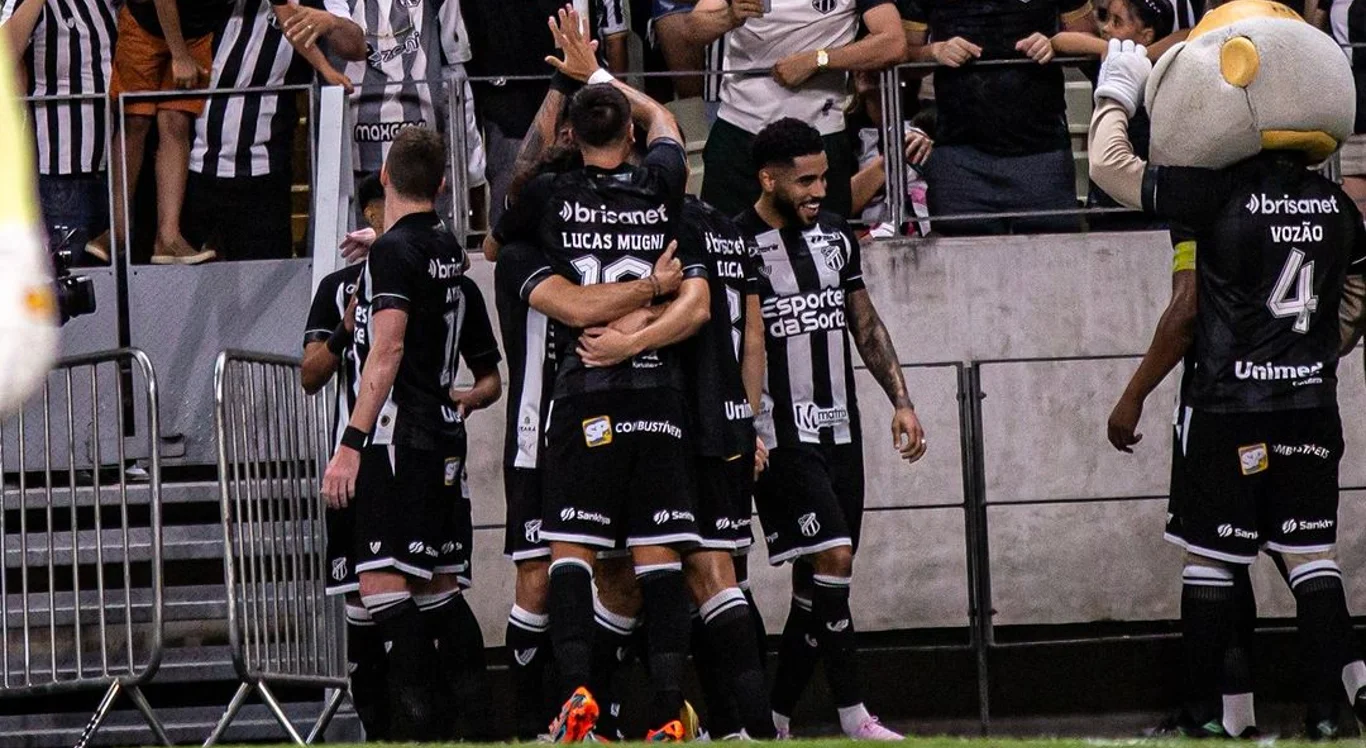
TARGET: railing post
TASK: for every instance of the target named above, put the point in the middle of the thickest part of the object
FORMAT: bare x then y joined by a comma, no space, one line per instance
459,158
893,134
979,559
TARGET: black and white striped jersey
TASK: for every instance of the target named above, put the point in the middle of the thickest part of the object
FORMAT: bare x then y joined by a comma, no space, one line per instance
529,345
804,278
329,304
251,135
69,54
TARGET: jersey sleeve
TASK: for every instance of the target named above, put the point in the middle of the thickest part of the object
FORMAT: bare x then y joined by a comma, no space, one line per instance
667,161
322,313
851,275
914,15
395,273
1185,195
520,220
521,267
478,347
1356,264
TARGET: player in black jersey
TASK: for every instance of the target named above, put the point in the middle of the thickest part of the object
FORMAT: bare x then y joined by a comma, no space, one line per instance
1264,440
810,499
402,454
619,431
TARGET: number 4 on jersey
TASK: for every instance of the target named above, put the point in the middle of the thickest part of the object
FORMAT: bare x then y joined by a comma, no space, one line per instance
1298,277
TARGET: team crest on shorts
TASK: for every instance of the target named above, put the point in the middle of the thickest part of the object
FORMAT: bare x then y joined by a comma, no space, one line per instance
1253,459
597,431
809,525
533,530
452,470
339,569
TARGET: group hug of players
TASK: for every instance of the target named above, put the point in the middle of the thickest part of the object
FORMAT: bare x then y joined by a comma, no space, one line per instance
661,356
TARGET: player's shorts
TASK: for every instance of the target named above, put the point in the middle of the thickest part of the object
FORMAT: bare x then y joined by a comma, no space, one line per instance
810,499
724,488
522,537
1177,491
1353,156
142,62
456,555
1261,480
409,503
618,468
340,526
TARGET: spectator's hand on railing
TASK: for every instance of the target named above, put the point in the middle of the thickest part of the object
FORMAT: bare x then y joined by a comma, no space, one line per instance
580,54
918,147
1123,75
955,52
1036,47
334,78
305,26
795,69
356,245
187,73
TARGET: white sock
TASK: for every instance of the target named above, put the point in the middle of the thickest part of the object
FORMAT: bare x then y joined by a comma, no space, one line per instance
782,723
1238,713
1353,678
853,717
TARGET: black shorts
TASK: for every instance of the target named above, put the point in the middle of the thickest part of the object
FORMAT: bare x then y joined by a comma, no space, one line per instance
724,488
522,537
1177,491
618,468
1261,480
810,499
341,532
409,505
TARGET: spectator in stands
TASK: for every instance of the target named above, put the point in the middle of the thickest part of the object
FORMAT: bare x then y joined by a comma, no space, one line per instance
1346,21
163,45
65,50
1002,141
666,32
865,136
810,44
240,164
509,39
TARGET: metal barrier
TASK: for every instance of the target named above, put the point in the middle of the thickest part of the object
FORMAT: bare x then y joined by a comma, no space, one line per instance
81,588
273,444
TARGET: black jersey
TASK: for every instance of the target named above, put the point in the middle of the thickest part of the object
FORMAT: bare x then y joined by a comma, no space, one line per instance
416,267
329,304
599,226
804,276
528,339
723,422
1276,242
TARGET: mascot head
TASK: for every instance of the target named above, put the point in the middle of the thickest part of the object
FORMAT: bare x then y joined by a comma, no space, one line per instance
1251,76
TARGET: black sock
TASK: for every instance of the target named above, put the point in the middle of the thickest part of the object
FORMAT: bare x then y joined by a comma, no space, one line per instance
760,631
571,623
797,656
666,616
365,666
1207,628
833,626
614,644
460,653
730,639
416,703
1325,628
1235,683
528,646
721,716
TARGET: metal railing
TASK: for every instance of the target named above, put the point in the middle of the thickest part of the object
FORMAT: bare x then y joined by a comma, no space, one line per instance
81,589
273,443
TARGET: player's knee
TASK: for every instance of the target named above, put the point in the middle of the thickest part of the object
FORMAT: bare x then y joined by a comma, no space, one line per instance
708,573
834,562
173,124
533,584
439,584
382,582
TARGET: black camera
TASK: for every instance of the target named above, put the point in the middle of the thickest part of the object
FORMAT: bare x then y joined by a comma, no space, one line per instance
75,293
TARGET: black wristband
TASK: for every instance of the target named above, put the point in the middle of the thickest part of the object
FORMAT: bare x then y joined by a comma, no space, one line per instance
340,340
354,438
564,84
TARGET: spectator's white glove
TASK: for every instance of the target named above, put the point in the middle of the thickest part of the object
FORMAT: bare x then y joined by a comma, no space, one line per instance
1123,75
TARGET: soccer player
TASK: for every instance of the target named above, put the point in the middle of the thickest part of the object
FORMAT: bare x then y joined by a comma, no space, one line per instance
1263,440
402,453
620,431
810,499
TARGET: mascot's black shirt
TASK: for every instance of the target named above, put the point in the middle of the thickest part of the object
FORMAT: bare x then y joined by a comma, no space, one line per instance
1276,243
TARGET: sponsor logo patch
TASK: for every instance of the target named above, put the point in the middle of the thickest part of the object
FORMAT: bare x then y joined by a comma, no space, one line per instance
1229,531
1308,450
597,431
1294,525
664,515
452,470
1253,458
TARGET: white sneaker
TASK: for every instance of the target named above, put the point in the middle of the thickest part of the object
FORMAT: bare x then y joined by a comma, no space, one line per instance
742,735
871,729
784,733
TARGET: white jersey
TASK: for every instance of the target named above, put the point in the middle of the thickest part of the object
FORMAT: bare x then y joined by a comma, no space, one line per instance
751,102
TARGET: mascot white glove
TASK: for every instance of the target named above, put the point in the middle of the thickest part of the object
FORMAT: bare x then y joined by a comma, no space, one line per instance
1123,75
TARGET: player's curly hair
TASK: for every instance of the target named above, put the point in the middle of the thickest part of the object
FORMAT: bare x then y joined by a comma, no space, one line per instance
600,115
784,141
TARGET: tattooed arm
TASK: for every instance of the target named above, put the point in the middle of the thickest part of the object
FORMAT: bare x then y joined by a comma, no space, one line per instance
879,355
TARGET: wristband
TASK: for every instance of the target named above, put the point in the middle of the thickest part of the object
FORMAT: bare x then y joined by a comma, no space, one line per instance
354,438
340,340
601,75
564,84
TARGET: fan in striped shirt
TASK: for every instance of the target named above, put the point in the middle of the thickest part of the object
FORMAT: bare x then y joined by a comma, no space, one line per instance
70,44
240,161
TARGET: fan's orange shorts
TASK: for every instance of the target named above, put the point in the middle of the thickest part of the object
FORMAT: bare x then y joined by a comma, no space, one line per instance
142,62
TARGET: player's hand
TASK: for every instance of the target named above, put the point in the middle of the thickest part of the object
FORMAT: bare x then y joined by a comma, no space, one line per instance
1036,47
305,26
743,10
907,436
919,146
634,321
668,271
795,69
955,52
339,482
580,53
187,73
334,78
602,347
465,402
356,245
760,457
1123,425
349,316
1124,75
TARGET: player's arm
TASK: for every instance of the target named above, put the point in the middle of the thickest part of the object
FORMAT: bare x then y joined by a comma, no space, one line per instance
680,320
884,46
878,352
376,380
326,335
710,20
479,351
580,307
